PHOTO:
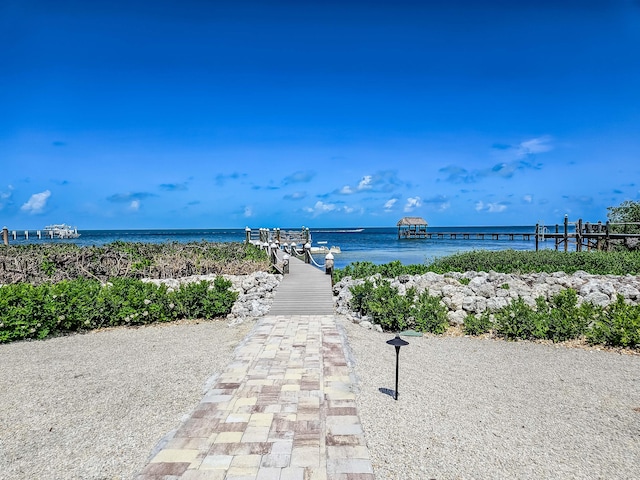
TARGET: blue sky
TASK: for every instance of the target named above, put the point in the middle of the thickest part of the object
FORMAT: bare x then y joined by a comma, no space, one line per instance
204,114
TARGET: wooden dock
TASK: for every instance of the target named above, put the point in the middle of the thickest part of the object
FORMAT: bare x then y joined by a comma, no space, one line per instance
578,236
476,235
305,290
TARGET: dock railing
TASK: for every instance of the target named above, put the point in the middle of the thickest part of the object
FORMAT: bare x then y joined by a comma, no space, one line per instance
588,235
281,245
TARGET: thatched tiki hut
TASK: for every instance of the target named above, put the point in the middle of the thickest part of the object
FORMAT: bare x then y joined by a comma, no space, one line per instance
412,227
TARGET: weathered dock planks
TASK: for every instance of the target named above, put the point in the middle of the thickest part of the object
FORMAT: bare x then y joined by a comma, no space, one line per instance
305,290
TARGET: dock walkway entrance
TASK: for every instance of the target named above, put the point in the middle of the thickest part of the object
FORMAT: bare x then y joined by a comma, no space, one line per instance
305,290
284,408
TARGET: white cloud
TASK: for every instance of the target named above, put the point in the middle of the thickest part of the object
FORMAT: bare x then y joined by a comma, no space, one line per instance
490,207
248,212
365,183
412,203
527,198
390,203
321,207
382,181
535,145
134,205
36,203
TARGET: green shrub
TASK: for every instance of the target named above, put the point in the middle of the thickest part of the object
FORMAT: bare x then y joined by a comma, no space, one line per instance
361,295
565,319
28,311
478,324
506,261
200,300
429,314
527,261
388,308
618,325
519,321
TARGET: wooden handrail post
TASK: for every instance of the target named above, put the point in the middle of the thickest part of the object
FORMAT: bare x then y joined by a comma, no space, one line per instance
579,236
307,252
566,233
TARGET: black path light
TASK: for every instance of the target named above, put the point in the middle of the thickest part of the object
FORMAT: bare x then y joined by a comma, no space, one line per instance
397,342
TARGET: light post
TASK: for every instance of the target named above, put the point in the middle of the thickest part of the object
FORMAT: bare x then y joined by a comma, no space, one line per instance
397,342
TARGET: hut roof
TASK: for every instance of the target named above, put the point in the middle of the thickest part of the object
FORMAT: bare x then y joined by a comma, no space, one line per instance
411,221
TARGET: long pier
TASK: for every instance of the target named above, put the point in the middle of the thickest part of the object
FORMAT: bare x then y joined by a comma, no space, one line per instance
50,233
581,235
475,235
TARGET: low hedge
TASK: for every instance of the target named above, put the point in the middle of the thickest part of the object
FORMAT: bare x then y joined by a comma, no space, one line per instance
39,311
505,261
559,319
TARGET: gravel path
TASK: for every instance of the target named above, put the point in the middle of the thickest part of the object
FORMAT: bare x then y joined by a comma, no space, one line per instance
473,408
94,406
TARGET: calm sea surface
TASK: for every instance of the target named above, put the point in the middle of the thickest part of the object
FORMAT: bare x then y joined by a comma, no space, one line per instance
377,245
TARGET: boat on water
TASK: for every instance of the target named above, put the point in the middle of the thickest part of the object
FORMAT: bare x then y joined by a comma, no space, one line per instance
325,249
61,230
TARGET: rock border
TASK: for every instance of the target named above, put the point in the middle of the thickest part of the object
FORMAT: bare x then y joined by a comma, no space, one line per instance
474,292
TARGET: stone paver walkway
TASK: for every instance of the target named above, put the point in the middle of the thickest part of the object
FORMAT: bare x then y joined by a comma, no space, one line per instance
284,409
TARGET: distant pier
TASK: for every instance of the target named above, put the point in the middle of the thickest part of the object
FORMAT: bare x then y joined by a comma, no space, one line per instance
26,234
579,236
51,232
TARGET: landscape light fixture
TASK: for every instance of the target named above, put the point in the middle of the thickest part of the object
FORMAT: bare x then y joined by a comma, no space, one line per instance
397,342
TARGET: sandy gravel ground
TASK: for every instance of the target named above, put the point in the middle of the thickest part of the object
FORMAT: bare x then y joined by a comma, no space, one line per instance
94,406
473,408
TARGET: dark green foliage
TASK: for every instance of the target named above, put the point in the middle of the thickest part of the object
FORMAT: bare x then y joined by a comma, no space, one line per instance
519,321
392,311
506,261
429,314
201,300
627,212
618,325
388,308
517,261
565,319
559,319
28,311
478,324
387,270
361,296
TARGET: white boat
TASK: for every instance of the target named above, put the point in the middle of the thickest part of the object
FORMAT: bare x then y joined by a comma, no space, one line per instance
61,230
325,249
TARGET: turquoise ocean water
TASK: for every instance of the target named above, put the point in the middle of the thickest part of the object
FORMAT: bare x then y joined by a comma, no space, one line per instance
377,245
